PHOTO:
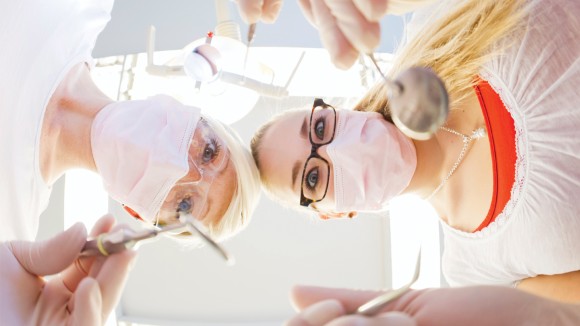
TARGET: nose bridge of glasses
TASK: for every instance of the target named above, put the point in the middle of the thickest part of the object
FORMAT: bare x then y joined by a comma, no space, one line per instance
319,153
314,149
194,193
199,176
194,174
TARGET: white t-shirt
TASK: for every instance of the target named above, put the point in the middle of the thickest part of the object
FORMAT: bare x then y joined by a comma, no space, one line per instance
538,232
41,41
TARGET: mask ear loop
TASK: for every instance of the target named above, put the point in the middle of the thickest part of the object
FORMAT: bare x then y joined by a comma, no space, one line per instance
327,215
136,216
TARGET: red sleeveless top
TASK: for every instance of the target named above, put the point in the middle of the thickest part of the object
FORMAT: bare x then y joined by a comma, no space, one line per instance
501,134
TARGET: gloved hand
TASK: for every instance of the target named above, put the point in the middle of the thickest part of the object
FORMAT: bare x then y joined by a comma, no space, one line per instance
481,305
346,27
84,293
264,10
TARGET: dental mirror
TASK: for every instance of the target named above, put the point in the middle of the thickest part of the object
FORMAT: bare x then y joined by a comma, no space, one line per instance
418,100
203,63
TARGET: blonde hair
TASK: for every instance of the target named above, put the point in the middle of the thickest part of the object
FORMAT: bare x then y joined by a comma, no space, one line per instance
248,186
454,46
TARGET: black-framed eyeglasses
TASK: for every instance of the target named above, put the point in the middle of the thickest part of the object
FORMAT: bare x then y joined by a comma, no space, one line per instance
316,172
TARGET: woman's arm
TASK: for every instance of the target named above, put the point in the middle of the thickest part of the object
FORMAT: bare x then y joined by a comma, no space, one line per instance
481,305
561,287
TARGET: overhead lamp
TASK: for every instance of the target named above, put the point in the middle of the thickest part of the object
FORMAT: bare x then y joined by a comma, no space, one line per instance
226,87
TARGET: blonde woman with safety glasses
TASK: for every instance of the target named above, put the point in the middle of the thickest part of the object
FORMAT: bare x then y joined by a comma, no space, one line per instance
155,156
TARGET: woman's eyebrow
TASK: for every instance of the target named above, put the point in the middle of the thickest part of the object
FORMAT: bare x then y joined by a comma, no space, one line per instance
295,170
304,127
296,167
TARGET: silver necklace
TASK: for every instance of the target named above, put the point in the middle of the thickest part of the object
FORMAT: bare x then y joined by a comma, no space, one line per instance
476,134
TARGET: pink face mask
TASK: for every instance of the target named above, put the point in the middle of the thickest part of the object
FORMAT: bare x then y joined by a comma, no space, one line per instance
141,150
373,161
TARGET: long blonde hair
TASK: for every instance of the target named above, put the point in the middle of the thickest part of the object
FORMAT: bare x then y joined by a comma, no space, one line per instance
455,46
248,186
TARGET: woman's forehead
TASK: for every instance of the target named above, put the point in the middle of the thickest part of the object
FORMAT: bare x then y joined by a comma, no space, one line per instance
281,148
290,121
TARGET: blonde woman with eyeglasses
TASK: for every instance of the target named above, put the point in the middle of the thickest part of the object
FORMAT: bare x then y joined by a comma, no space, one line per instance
502,173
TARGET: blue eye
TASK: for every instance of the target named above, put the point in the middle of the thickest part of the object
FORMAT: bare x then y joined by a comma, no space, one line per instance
319,128
210,151
184,205
312,179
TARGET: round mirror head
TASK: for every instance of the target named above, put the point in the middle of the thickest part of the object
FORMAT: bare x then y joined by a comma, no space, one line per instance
422,105
203,63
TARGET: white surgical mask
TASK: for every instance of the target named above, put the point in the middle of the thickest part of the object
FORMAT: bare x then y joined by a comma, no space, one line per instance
141,150
373,161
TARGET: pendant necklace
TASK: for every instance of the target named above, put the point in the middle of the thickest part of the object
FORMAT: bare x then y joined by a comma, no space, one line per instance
476,134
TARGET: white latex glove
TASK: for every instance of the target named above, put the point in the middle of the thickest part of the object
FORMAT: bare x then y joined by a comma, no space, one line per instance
264,10
475,306
85,292
346,27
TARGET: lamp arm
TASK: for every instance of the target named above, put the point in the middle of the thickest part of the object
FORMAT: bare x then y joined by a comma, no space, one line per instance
253,84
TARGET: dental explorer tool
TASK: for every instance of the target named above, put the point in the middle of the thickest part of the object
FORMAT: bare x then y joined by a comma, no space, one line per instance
185,217
373,306
193,224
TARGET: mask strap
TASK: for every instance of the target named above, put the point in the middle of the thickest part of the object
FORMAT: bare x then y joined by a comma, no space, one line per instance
132,213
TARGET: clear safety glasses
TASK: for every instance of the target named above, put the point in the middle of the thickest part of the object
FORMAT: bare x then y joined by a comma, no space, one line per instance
208,155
